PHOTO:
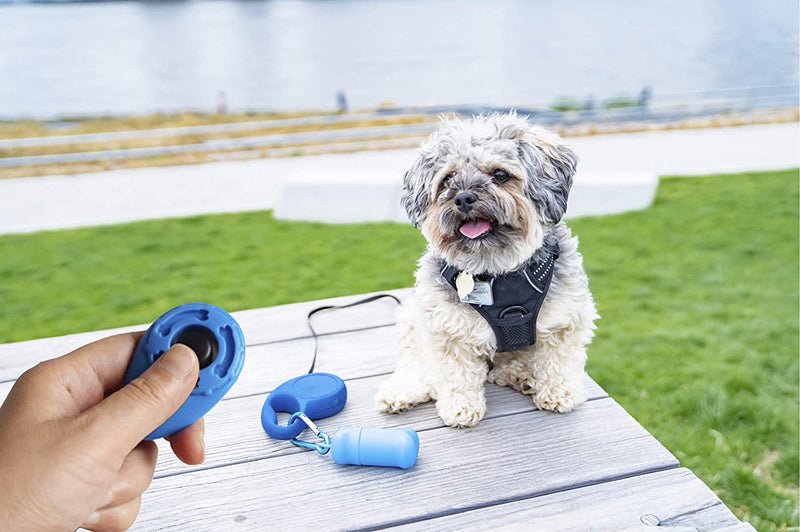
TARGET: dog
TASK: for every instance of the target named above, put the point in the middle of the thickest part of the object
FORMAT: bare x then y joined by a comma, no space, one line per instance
488,193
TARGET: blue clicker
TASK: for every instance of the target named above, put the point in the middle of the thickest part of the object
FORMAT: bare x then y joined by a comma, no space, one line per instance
217,340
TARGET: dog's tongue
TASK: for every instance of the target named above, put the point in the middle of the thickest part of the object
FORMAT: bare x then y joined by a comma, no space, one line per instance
475,228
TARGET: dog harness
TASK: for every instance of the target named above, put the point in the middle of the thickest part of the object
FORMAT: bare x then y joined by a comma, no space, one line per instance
517,298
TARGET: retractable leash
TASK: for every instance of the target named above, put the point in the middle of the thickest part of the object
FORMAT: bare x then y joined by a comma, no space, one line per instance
315,396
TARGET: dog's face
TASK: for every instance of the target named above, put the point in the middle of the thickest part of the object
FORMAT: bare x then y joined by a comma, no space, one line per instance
484,191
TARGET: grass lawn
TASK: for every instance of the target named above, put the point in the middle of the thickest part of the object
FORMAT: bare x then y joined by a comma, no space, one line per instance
699,336
699,298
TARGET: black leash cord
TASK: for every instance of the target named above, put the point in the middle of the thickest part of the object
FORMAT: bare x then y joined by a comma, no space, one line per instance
331,307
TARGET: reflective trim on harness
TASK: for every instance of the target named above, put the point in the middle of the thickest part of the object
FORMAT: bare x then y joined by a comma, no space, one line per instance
518,297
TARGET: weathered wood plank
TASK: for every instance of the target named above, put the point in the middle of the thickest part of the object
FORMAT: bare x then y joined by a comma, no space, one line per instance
274,324
5,387
741,527
350,355
17,357
512,457
674,500
264,325
518,465
234,433
268,365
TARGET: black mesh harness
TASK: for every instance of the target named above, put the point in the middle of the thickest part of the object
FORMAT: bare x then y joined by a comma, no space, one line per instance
518,297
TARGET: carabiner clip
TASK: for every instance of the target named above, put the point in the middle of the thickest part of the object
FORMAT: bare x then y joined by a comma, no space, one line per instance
321,448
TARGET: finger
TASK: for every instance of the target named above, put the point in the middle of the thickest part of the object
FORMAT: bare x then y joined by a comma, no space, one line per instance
189,444
70,384
113,518
124,418
135,475
93,371
108,359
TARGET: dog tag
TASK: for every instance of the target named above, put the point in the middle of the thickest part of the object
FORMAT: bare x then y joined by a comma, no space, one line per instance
464,284
481,294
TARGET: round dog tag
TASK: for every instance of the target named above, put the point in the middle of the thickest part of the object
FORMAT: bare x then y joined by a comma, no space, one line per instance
317,395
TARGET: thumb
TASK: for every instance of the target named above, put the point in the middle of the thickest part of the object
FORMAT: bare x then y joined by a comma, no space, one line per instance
137,409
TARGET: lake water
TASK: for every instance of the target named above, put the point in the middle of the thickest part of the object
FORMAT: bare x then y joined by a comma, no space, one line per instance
135,57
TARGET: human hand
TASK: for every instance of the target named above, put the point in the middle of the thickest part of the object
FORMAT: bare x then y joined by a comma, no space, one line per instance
71,449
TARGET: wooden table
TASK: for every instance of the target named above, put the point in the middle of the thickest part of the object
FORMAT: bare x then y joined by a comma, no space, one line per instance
593,469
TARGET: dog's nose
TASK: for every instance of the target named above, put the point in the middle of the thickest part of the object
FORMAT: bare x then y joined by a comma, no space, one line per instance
465,200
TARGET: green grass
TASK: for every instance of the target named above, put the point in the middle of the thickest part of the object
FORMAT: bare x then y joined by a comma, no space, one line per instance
60,282
565,104
699,336
621,101
699,298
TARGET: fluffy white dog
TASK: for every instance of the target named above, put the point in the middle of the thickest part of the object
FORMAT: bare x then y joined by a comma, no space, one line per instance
501,293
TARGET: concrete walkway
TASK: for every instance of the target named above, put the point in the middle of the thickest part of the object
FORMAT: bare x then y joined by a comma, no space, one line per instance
34,204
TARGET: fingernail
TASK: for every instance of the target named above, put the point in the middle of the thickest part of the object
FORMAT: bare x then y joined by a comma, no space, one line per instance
179,361
108,500
202,439
92,519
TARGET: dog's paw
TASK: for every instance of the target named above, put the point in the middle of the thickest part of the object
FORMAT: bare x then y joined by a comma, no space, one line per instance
394,399
505,376
559,397
460,412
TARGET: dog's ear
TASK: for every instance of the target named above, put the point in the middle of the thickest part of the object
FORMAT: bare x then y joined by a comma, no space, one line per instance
415,196
550,164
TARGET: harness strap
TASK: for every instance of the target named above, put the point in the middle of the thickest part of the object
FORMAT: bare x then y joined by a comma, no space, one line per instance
518,297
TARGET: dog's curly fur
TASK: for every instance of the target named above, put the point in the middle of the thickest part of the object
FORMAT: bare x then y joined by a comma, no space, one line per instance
521,176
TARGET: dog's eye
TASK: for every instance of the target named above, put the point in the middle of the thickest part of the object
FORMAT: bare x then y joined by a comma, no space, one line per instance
447,178
500,175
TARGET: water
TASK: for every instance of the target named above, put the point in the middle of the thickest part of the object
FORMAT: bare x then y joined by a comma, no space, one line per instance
137,57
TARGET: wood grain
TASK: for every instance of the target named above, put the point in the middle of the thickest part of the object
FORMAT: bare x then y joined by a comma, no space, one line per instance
5,387
593,469
234,432
351,355
511,457
671,500
260,326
